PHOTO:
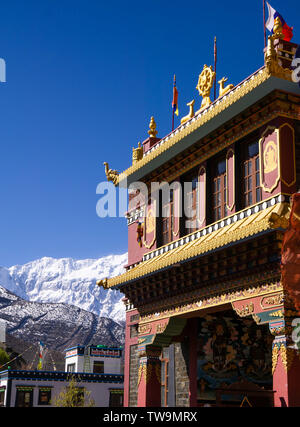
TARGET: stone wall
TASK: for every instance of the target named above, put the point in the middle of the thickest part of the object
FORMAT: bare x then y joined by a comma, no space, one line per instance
180,376
182,382
133,375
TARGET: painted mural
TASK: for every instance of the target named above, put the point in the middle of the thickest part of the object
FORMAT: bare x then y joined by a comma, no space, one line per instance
229,350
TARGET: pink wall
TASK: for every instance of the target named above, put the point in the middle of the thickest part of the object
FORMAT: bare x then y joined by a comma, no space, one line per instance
128,343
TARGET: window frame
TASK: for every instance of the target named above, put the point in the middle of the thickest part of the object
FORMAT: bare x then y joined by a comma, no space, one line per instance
167,221
22,392
164,360
112,398
192,199
250,173
97,363
71,367
219,188
48,391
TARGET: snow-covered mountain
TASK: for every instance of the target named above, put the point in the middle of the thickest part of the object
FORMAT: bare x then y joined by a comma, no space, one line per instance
57,325
69,281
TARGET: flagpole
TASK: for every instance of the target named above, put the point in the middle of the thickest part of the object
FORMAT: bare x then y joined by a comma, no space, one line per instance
264,18
173,109
215,68
173,120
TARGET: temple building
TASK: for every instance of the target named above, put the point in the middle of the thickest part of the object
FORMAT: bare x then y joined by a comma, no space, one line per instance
208,320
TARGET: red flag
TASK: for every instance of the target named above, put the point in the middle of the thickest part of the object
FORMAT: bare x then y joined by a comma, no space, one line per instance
175,98
287,32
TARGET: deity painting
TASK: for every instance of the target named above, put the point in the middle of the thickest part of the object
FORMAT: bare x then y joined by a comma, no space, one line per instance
270,157
259,343
269,161
219,348
229,349
149,236
150,221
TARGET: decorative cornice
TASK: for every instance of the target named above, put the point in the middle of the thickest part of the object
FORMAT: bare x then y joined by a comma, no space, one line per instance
276,220
61,376
241,225
212,300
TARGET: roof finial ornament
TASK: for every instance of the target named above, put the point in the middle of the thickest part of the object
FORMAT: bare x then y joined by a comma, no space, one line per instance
277,29
137,153
272,63
152,131
205,84
111,175
103,283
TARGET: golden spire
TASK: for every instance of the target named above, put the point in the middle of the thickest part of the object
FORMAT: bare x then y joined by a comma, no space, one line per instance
277,30
152,131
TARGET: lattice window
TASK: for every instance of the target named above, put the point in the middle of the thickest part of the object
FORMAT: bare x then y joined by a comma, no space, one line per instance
251,175
168,220
219,189
191,203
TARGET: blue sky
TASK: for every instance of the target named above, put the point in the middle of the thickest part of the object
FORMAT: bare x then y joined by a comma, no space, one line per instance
83,79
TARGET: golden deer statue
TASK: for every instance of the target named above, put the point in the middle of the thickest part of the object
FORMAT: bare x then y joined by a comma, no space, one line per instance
223,89
191,113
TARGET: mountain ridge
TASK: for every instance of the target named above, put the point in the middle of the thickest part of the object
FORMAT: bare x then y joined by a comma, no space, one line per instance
69,281
57,325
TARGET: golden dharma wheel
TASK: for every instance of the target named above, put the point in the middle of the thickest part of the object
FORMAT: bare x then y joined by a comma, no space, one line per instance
206,80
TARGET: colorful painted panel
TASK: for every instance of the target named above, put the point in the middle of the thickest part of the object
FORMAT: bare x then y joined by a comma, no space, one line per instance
149,235
287,156
229,350
269,159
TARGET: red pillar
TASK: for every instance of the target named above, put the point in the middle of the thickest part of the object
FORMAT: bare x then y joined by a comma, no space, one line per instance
149,379
286,373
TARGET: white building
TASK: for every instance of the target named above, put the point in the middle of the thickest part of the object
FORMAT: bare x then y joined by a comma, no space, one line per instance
97,369
97,359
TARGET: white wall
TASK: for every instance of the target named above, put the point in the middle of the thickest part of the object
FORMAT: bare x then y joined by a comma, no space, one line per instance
112,365
78,360
99,391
